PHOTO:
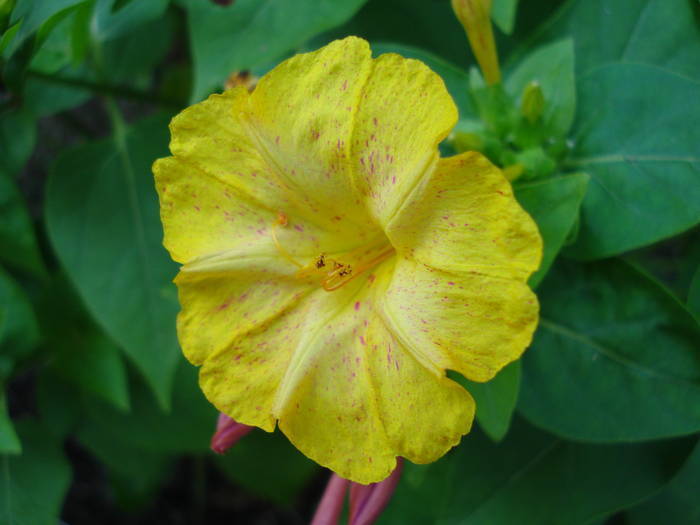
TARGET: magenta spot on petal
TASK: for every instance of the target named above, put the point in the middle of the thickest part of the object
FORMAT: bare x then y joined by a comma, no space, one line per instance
357,306
393,179
299,227
362,340
451,283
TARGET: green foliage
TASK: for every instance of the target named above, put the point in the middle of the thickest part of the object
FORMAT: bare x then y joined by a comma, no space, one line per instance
554,204
534,478
18,246
92,220
32,485
595,124
619,363
496,400
677,503
237,37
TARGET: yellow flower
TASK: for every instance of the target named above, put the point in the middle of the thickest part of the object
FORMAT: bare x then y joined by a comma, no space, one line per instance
334,266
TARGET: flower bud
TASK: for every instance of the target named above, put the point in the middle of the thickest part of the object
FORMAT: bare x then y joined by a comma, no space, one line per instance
474,15
228,432
532,104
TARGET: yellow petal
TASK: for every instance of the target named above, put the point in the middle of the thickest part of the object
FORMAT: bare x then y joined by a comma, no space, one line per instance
345,390
404,113
301,115
220,163
227,296
464,217
468,322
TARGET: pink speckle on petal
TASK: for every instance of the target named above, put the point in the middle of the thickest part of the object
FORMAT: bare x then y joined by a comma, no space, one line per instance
362,340
357,305
299,227
451,283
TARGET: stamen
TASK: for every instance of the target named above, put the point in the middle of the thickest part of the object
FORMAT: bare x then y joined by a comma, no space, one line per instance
343,274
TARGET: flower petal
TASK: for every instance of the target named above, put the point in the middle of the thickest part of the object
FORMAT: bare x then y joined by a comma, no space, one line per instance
464,217
224,297
468,322
344,389
404,113
301,114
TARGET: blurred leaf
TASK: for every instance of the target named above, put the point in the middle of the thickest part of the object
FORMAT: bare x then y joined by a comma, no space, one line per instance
44,98
615,358
9,442
19,333
456,79
533,478
554,205
33,14
102,219
79,351
256,462
109,23
495,400
635,138
694,294
18,246
250,32
58,403
503,14
131,58
552,67
677,503
32,485
430,25
187,427
134,474
17,140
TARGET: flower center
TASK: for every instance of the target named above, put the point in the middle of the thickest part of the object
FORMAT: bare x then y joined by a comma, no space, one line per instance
335,272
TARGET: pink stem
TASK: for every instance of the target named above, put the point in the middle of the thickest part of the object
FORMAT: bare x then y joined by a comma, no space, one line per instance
372,502
228,432
331,505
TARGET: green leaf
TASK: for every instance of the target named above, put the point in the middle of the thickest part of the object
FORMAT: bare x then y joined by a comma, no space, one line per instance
109,23
18,246
9,442
134,474
19,333
533,478
250,32
554,205
495,400
187,427
17,140
634,136
694,294
80,352
664,33
32,486
256,461
429,25
615,357
552,67
33,14
677,503
102,219
456,79
503,14
637,63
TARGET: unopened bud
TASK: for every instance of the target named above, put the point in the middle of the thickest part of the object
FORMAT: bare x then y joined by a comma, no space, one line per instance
532,104
474,15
